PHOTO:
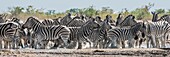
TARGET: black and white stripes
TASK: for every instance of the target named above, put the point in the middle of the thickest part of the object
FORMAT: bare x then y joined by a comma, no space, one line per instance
119,36
157,32
44,33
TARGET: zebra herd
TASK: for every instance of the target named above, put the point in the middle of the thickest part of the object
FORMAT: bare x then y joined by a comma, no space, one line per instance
81,32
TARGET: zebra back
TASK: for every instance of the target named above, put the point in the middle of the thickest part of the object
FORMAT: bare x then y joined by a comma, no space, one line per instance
165,18
48,22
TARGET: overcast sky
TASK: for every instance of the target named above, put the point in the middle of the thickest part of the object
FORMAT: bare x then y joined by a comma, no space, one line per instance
62,5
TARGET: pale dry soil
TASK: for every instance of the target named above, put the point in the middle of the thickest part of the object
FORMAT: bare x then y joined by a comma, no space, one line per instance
127,52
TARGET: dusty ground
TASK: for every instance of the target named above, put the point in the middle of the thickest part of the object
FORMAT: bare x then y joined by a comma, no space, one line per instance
131,52
126,52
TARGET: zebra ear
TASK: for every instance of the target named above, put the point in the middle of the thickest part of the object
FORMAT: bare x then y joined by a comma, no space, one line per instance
153,12
143,25
93,19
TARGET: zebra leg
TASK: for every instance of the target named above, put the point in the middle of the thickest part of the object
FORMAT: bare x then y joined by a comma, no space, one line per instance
119,44
111,42
31,44
65,40
2,44
13,44
8,46
148,39
137,45
80,45
153,41
90,43
61,43
157,42
124,44
163,42
22,43
5,44
129,44
43,44
35,43
101,44
105,44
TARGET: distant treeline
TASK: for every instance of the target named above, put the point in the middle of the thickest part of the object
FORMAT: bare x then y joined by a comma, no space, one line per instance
140,13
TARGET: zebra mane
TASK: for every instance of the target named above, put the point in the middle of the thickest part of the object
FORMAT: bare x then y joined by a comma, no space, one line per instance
155,16
128,16
164,16
34,20
128,21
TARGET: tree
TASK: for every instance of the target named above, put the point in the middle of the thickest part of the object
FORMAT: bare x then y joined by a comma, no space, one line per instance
16,10
30,10
90,11
125,11
51,12
142,12
160,11
106,10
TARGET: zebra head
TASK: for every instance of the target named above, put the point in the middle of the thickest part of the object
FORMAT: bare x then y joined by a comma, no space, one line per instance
98,19
128,21
155,16
119,19
92,24
106,25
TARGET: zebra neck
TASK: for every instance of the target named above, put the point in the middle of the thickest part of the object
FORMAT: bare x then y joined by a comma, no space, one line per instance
135,30
36,27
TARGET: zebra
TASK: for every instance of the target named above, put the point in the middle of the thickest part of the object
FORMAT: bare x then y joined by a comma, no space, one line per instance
166,18
65,20
120,35
119,19
42,33
22,42
75,22
2,18
7,34
157,31
98,19
85,31
127,22
73,40
98,37
109,18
